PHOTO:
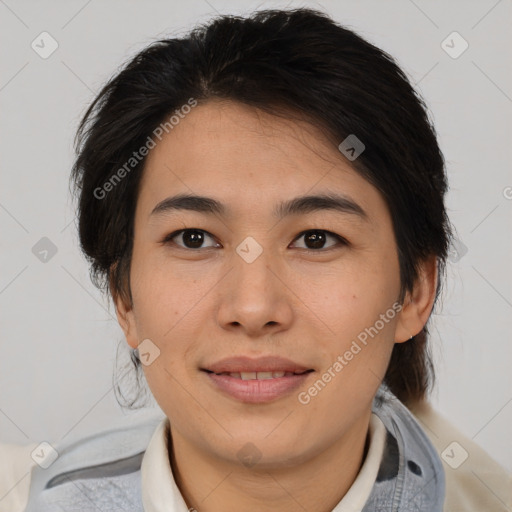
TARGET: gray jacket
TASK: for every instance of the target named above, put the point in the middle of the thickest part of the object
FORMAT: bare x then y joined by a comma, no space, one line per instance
410,478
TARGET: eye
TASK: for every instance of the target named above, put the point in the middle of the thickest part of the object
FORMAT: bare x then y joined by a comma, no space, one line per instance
315,239
191,238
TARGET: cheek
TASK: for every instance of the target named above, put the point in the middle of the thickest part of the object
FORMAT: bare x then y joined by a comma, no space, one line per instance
349,301
358,314
169,304
165,315
161,297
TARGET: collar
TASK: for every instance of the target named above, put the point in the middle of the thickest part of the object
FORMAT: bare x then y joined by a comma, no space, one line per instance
401,472
411,476
160,492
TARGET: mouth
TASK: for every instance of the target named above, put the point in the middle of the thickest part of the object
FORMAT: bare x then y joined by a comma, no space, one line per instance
256,380
260,375
257,387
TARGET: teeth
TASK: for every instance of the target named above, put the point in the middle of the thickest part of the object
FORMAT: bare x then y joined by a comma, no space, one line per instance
264,375
259,375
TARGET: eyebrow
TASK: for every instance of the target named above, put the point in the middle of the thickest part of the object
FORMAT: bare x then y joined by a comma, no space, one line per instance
296,206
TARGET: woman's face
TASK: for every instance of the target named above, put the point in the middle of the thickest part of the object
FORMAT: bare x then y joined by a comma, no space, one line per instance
248,282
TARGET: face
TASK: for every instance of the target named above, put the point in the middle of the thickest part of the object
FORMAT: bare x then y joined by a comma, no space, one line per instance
246,281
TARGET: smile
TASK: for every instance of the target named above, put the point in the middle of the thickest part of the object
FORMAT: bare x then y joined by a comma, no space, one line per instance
257,387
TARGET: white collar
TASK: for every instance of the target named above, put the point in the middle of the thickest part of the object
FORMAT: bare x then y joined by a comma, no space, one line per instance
360,490
160,492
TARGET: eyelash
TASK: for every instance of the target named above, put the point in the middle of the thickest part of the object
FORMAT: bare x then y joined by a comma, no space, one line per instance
342,241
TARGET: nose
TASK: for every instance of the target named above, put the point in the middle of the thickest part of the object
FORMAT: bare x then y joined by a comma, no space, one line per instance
255,298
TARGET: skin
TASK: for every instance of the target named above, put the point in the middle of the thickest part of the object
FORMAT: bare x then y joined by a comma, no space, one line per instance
200,305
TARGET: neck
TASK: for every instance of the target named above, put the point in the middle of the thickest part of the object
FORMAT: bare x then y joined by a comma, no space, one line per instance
319,482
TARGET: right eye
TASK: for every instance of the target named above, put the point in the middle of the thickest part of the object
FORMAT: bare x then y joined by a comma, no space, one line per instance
190,238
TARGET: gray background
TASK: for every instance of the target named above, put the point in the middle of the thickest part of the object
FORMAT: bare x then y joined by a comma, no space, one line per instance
59,335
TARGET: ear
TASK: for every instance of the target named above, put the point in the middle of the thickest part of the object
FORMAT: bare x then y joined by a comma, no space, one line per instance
418,303
126,318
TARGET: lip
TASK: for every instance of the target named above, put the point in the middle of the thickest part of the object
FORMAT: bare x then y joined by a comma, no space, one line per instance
260,364
256,391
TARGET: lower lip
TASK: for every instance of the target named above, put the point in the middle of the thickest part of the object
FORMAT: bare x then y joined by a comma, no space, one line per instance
257,391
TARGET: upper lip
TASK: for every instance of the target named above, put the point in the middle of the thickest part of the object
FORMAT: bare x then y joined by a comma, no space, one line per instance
260,364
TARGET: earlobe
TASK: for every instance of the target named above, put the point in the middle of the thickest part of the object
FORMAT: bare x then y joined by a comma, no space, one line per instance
418,303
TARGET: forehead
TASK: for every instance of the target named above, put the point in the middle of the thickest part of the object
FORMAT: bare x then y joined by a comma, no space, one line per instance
248,157
224,131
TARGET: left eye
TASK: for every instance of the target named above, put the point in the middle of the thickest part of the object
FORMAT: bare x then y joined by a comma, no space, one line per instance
316,238
194,238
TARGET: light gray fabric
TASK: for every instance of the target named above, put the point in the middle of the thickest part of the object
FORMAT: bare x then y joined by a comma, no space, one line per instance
110,451
111,494
410,478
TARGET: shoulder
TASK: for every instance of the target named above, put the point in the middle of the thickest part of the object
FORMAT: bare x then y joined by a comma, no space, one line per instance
16,464
474,480
101,467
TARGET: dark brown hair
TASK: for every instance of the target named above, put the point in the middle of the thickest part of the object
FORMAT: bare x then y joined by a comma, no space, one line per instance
286,62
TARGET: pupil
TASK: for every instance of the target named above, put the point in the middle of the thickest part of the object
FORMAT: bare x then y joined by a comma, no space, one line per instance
317,238
193,238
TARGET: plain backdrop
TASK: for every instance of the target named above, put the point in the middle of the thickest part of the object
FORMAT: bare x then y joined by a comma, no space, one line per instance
59,336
